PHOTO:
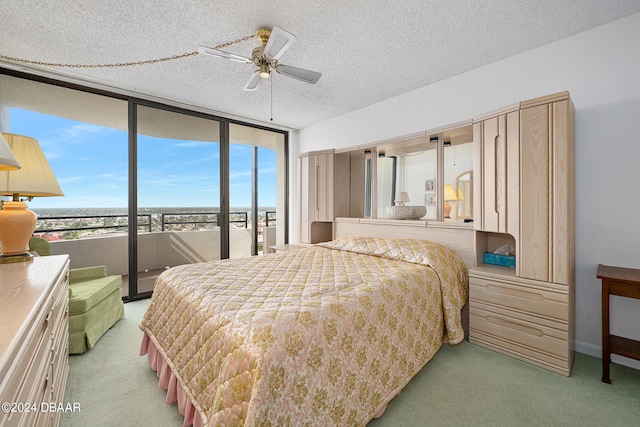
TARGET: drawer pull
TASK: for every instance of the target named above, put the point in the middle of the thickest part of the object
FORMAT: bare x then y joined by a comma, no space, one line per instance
515,293
516,326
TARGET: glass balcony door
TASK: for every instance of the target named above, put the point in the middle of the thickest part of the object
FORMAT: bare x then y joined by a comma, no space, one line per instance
178,202
257,190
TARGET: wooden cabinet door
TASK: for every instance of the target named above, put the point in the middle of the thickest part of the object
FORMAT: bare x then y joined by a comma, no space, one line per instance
306,211
535,244
316,197
496,158
323,202
563,214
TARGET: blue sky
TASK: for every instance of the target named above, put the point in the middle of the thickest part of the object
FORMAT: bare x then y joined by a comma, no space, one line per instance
90,163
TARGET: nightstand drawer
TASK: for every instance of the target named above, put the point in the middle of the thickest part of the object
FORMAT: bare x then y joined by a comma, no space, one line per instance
552,304
518,334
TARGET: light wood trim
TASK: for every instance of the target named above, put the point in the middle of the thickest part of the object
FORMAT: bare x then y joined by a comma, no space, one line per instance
306,184
501,173
478,177
450,127
316,153
547,99
492,174
412,138
513,174
394,222
498,112
450,224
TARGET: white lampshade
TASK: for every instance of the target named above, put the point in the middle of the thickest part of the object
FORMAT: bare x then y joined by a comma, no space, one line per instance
35,179
8,161
402,196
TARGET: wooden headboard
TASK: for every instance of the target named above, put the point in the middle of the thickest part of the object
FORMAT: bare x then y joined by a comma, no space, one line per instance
454,235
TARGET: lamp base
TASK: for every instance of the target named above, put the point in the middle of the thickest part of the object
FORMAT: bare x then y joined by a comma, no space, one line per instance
16,228
10,259
447,210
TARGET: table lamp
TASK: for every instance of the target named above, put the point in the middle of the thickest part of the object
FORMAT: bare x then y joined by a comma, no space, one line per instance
449,196
34,179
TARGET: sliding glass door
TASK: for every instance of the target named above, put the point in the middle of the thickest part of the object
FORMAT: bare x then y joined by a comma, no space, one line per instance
148,186
257,190
178,191
84,138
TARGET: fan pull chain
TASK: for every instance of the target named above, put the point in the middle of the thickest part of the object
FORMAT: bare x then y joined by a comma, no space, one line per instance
271,84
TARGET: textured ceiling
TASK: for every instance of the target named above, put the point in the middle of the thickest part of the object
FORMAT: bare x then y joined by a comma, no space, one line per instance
366,50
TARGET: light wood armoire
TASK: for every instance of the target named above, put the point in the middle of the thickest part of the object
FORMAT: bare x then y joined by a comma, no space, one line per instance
524,198
316,197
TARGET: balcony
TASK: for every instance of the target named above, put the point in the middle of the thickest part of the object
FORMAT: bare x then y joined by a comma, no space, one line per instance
165,240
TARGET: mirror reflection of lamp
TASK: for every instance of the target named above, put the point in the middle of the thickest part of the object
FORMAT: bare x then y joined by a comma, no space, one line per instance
34,179
449,196
401,198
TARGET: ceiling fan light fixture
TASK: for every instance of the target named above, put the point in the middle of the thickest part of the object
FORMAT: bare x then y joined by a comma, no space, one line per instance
265,73
273,43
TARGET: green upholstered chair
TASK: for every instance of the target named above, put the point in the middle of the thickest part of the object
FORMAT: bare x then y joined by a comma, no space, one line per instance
95,305
95,301
40,246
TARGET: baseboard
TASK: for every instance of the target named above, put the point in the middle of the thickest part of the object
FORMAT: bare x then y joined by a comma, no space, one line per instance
596,351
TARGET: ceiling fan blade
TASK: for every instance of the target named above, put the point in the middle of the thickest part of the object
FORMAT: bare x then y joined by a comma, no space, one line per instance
279,42
253,82
222,54
299,73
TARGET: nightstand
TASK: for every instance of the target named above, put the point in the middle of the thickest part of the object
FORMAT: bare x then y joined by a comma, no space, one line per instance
285,248
624,282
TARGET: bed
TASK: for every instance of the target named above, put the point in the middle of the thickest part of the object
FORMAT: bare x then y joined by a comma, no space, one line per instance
324,335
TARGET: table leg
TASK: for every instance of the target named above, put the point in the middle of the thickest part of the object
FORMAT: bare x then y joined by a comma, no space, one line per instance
606,347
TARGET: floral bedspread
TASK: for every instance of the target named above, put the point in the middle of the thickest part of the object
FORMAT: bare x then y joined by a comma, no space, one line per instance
322,336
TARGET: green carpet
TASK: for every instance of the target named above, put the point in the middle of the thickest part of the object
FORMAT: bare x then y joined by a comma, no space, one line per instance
463,385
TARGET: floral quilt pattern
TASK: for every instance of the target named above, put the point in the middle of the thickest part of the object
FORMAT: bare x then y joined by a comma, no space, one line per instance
322,336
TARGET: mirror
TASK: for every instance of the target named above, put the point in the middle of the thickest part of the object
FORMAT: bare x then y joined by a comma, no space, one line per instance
458,178
464,191
438,162
410,170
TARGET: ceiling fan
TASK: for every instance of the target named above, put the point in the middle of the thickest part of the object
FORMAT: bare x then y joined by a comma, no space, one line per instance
274,42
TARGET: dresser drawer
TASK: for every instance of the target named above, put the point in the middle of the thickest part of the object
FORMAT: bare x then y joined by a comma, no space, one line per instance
516,335
536,300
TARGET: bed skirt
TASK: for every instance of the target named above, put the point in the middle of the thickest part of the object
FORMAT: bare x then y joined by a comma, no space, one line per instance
168,381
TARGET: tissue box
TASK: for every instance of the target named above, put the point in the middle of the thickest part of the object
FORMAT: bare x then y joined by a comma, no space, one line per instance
504,260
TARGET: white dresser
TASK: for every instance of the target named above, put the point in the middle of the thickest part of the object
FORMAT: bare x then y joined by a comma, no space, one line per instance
34,363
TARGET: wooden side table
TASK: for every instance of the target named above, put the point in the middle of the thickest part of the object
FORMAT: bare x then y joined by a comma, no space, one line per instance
285,248
624,282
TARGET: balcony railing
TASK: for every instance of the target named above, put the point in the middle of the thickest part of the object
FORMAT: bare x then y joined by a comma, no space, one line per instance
267,218
104,239
146,222
75,219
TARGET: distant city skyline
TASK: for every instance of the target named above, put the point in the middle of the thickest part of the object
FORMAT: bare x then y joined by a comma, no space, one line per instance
90,164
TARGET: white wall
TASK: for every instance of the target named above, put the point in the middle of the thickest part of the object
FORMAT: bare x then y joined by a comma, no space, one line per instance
601,70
